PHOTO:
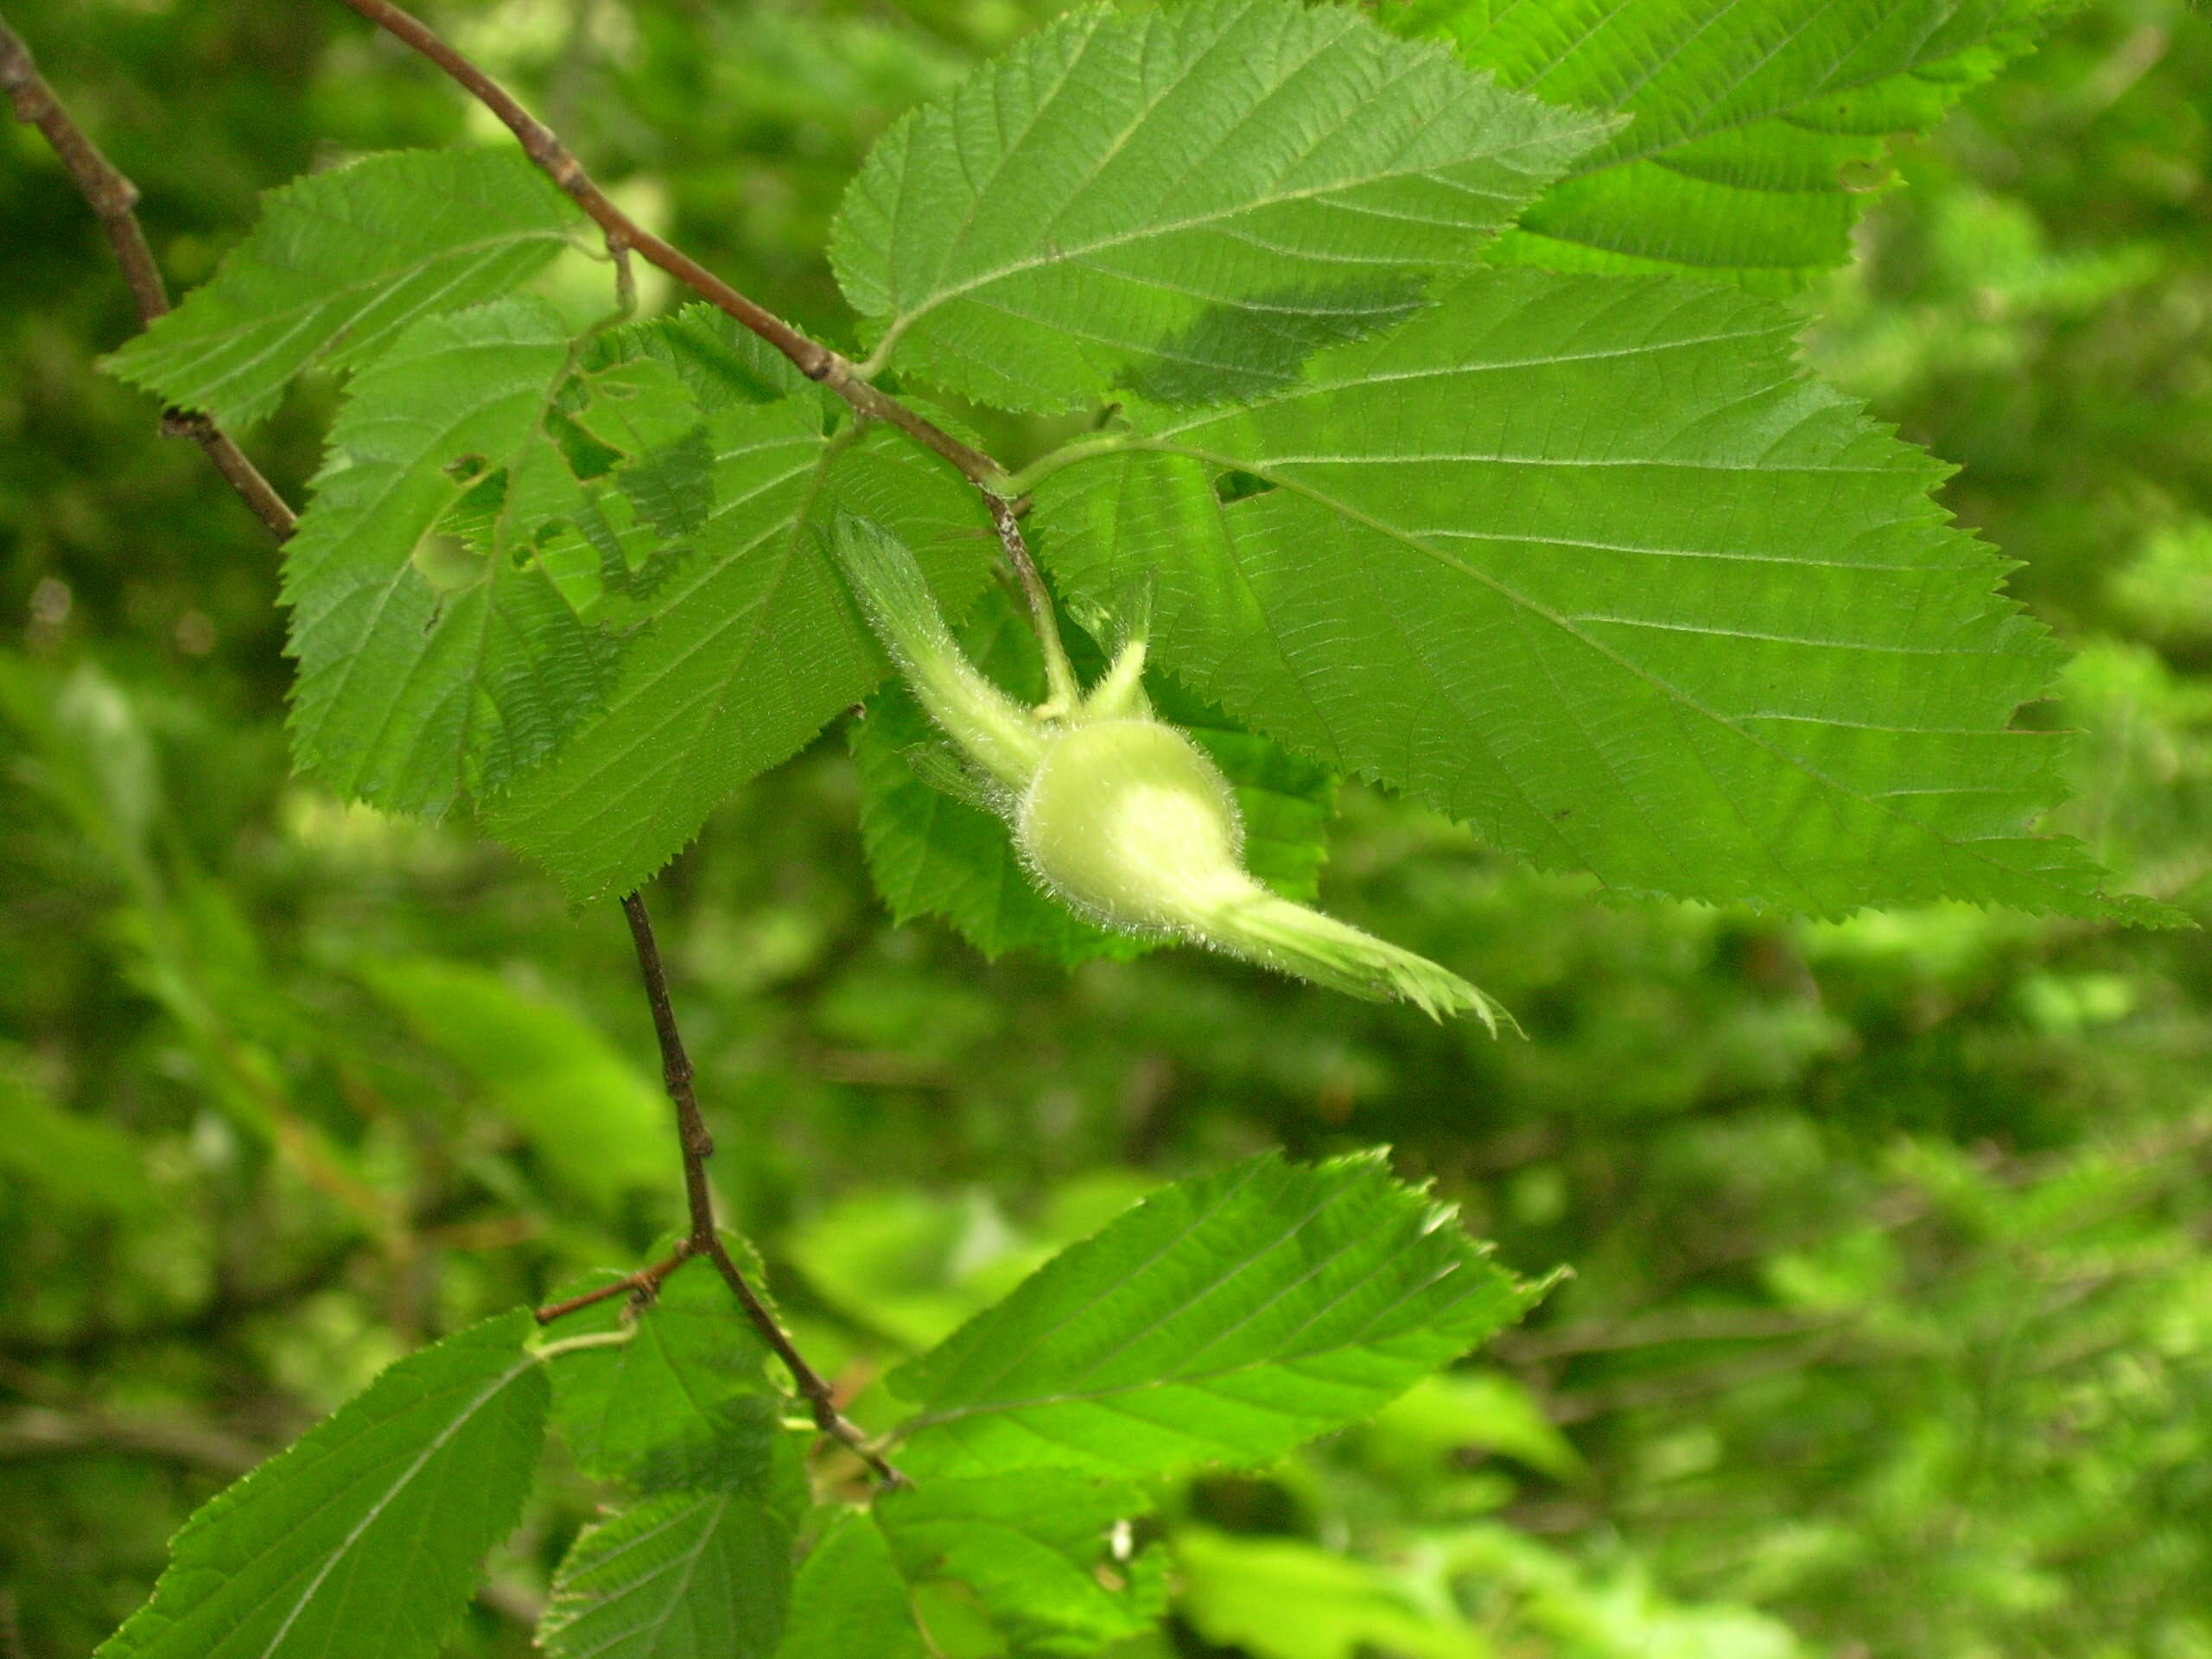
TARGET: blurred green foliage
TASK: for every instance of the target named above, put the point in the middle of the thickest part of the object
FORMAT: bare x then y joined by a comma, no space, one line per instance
1890,1326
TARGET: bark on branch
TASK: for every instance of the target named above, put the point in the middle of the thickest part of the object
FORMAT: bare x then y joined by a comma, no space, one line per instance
114,199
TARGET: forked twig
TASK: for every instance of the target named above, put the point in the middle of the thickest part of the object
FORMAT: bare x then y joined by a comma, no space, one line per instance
705,1239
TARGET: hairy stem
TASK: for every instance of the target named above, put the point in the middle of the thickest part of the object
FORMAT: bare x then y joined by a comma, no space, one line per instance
813,359
705,1238
114,199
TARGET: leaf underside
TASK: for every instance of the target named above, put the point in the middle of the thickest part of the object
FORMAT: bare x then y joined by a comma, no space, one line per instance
1587,563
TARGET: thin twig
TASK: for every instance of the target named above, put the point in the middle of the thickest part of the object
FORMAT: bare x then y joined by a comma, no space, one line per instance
814,359
644,1284
705,1238
113,198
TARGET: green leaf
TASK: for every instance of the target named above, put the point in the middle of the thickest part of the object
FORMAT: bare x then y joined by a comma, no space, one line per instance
1188,198
685,1402
752,645
698,1575
1587,563
586,1113
429,667
1046,1552
363,1539
341,264
1283,1598
1757,130
1226,1317
849,1599
934,852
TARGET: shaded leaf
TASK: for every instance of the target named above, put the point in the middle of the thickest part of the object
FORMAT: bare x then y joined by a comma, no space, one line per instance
698,1574
685,1402
849,1599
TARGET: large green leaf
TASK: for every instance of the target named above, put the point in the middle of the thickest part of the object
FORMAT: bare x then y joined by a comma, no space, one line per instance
1188,200
1227,1317
751,646
341,264
943,853
1046,1552
1586,561
699,1574
1757,129
432,664
363,1541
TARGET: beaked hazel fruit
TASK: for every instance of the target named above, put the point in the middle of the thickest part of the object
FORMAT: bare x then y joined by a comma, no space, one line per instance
1117,813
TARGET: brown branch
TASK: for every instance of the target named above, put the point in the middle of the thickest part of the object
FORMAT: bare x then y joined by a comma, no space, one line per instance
705,1239
643,1284
814,359
113,198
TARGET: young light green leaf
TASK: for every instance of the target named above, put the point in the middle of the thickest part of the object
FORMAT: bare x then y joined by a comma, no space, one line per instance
933,853
1189,198
429,667
363,1539
1047,1553
1589,563
697,1574
1228,1318
1757,131
685,1402
1285,1598
341,264
850,1598
588,1114
752,645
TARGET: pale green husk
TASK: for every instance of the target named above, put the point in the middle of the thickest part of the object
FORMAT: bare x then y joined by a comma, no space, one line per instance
1118,814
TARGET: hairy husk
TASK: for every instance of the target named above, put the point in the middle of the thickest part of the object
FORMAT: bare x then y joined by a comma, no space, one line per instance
1119,815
